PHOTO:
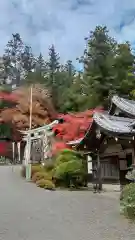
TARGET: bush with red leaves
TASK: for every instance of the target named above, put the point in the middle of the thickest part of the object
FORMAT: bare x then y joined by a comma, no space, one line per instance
6,146
74,127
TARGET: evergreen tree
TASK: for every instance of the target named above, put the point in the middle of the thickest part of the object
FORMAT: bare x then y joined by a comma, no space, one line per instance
70,73
53,69
70,68
124,69
108,69
53,64
99,59
27,58
12,59
73,99
2,72
39,72
40,66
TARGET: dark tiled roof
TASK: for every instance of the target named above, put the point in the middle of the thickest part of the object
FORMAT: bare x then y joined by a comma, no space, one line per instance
114,124
125,105
109,124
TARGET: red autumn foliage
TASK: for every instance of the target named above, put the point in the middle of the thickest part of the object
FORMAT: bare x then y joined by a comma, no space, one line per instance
10,97
74,127
58,146
3,147
42,108
6,146
6,149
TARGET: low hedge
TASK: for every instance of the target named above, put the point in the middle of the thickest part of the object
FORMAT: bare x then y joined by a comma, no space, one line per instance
49,166
66,169
46,184
35,169
41,175
71,173
128,201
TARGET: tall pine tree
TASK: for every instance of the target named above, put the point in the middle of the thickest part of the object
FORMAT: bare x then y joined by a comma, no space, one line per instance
70,72
40,66
124,69
12,59
99,59
27,59
39,73
53,68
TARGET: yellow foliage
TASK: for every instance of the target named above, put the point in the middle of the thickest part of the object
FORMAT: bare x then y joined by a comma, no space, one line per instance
46,184
41,175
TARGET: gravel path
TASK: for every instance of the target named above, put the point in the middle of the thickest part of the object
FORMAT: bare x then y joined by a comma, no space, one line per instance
30,213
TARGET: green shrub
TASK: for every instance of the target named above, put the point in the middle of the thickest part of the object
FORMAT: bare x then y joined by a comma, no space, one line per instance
69,169
47,184
65,156
131,175
49,165
70,152
36,168
128,201
72,167
41,175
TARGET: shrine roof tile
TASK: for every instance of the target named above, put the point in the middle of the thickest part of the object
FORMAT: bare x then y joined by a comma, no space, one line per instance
125,105
114,124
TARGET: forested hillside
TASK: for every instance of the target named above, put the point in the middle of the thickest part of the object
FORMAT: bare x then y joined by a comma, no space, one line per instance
108,69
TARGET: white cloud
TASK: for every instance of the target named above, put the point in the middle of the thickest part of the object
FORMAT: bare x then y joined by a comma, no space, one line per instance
64,22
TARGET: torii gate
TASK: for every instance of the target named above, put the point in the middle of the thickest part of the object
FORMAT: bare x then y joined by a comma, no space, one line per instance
38,141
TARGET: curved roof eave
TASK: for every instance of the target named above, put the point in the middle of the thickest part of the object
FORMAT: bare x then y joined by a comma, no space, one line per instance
113,124
88,134
125,105
109,125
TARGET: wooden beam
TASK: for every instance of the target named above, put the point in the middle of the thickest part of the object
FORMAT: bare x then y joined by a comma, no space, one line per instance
40,129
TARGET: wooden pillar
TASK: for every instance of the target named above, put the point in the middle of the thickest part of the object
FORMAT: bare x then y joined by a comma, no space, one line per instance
89,164
99,173
133,155
86,170
13,152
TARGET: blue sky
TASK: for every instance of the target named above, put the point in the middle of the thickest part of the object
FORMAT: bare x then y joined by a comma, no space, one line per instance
65,23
